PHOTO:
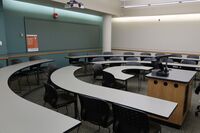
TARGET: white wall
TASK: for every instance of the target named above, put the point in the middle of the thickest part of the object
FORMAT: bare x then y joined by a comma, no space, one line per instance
162,36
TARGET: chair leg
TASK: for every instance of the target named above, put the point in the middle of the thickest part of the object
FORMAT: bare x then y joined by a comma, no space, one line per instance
76,109
78,129
67,110
19,84
109,130
27,80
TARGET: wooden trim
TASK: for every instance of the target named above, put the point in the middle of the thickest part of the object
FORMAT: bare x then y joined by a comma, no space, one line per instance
155,51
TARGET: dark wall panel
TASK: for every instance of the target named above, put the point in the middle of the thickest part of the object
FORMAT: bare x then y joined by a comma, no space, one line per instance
57,35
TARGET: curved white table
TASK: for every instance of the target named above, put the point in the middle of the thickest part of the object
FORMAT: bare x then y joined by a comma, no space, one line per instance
18,115
118,74
147,62
65,79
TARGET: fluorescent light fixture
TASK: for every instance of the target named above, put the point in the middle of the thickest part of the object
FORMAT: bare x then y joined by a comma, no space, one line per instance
125,5
161,18
134,6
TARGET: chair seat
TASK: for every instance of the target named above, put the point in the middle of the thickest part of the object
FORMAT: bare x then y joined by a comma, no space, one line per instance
64,100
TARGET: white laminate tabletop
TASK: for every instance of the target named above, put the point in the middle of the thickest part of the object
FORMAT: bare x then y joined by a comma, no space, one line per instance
65,79
101,55
147,62
177,75
118,74
18,115
182,58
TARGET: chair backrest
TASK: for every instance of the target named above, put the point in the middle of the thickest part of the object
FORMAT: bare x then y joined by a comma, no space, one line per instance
193,56
107,53
51,68
98,69
115,59
72,61
168,60
108,79
159,54
128,120
50,95
98,59
94,110
33,58
145,53
149,59
189,62
132,59
128,53
176,55
15,61
133,64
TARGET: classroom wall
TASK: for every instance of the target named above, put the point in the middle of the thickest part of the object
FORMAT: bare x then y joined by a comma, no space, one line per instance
153,35
59,35
170,36
17,12
3,48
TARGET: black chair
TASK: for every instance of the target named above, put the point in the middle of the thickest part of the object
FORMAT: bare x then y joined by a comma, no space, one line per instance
75,61
191,62
197,90
50,69
144,54
128,120
57,100
98,70
177,55
96,111
91,58
110,81
20,74
98,59
194,57
159,54
168,60
37,68
132,63
107,53
115,59
128,53
148,59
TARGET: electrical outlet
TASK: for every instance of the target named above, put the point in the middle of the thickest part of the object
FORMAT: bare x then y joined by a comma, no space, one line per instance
1,43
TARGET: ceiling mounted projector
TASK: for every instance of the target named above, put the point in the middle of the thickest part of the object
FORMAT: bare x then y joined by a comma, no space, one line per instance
74,4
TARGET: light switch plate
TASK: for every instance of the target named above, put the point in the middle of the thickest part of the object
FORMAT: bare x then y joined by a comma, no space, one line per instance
1,43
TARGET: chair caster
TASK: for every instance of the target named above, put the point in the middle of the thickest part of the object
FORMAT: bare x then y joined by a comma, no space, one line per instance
196,114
